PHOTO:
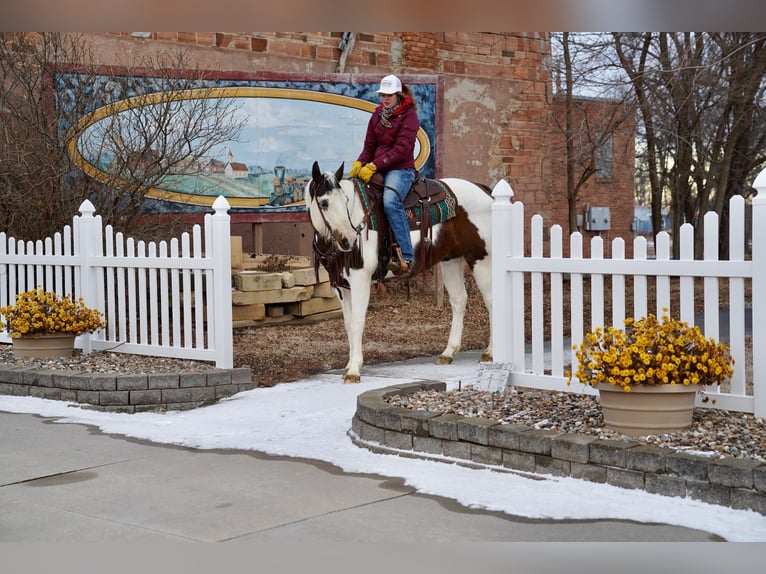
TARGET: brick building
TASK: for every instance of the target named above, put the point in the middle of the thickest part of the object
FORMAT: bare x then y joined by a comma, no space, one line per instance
494,97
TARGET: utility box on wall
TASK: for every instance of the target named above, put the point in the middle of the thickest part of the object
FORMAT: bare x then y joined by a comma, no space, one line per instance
599,219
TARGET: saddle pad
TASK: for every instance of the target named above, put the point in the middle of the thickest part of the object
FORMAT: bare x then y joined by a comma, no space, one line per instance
441,211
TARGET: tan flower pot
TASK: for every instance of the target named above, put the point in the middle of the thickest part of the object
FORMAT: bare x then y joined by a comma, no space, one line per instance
647,409
45,346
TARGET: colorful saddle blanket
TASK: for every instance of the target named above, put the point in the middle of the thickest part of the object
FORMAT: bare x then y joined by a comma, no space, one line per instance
440,210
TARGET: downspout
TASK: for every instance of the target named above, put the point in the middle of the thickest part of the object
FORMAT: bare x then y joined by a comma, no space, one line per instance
345,47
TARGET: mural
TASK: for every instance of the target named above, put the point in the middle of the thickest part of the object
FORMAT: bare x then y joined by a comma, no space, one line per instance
287,126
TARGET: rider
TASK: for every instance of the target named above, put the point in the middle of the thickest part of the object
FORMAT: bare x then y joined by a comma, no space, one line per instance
389,147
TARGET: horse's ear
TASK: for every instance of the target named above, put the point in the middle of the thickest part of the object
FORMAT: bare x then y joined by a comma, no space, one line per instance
339,172
316,173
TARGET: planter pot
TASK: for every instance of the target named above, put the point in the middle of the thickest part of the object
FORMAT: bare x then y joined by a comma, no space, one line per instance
45,346
647,409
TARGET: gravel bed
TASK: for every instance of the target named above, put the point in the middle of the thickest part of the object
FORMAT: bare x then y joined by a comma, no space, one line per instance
105,362
714,433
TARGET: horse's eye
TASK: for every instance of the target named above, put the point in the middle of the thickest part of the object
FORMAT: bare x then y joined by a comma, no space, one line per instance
324,204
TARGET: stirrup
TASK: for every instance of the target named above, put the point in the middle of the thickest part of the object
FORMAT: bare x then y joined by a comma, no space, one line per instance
399,269
399,266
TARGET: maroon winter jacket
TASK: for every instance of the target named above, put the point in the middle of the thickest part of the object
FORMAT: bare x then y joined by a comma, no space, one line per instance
394,147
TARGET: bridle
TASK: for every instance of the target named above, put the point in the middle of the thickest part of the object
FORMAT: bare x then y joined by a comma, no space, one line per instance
363,224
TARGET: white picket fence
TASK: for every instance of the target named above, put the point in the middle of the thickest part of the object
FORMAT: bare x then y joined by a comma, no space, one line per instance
169,299
543,362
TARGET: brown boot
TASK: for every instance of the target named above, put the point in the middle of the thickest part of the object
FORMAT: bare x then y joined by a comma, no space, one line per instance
400,267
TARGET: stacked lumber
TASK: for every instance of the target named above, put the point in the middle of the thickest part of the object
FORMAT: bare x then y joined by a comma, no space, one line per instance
275,288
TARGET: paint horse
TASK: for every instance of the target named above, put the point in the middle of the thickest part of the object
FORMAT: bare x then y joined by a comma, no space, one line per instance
347,242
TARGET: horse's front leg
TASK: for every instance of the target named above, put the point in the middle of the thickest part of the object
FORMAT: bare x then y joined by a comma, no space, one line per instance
360,283
344,296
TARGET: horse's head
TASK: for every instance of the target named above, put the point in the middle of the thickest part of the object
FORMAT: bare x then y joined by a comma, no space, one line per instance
330,207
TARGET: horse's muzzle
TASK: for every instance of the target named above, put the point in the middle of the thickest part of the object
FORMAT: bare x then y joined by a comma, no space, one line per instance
343,243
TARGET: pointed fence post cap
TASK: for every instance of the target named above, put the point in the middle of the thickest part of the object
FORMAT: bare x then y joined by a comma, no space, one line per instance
502,189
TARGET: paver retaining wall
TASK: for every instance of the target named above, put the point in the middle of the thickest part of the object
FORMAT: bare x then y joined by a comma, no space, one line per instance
122,393
381,427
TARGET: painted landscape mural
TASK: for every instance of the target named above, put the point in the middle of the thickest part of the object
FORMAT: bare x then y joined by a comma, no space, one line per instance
285,127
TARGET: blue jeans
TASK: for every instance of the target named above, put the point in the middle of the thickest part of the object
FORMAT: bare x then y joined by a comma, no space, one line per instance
400,180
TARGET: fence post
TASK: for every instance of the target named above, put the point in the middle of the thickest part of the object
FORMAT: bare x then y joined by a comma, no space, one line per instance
223,336
759,289
501,285
89,242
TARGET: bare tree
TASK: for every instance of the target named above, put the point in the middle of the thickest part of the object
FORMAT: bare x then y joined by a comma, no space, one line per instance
701,97
590,122
73,129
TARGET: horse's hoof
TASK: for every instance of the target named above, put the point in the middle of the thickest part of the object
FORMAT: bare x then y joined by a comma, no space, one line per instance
444,360
486,357
350,379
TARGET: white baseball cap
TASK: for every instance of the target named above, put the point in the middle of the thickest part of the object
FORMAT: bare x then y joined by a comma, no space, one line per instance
390,85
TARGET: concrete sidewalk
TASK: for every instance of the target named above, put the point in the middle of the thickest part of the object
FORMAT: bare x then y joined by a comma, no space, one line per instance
67,482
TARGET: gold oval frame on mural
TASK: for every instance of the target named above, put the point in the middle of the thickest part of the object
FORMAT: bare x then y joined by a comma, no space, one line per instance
229,92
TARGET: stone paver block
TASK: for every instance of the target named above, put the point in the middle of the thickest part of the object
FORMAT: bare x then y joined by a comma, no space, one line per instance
748,500
537,441
589,472
192,379
572,447
372,433
734,472
239,376
146,397
416,422
223,391
88,397
759,478
390,418
646,458
545,464
505,436
474,429
38,378
519,460
103,382
456,449
686,466
610,452
444,426
706,492
14,375
665,485
114,398
215,378
625,478
486,454
53,394
177,396
14,390
132,382
427,444
398,440
163,381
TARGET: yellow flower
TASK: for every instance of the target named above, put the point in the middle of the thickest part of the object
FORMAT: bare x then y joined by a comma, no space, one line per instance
38,312
649,351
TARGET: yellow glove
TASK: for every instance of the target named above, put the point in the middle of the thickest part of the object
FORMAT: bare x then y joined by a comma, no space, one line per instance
366,172
355,167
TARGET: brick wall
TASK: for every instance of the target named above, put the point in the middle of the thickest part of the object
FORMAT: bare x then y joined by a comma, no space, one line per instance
495,92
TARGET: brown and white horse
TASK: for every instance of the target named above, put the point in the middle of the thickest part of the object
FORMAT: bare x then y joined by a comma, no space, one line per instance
343,234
